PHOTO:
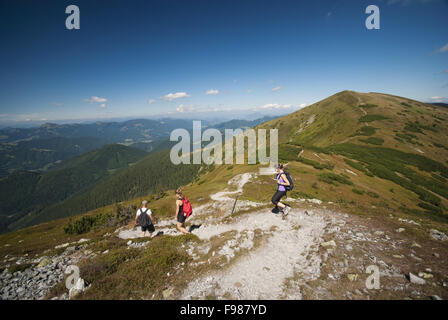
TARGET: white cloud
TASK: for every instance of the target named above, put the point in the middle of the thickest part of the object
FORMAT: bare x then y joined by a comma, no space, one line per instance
276,88
100,101
442,49
56,104
212,92
436,98
249,91
182,108
96,99
151,101
177,95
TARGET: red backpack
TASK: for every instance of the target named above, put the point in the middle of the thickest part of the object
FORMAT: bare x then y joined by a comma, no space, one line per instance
186,207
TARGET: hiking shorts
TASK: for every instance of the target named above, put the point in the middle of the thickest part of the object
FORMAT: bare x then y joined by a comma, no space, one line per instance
181,218
277,196
149,228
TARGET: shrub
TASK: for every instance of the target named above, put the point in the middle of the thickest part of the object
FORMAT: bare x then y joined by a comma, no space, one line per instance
438,145
430,207
373,140
407,105
408,137
86,223
368,106
372,194
332,178
418,127
357,191
358,166
372,117
366,131
288,152
316,164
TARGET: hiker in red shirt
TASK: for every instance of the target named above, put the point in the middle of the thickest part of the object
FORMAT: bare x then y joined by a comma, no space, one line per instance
183,211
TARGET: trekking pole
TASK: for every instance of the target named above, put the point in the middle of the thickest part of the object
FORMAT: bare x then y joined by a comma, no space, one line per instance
234,205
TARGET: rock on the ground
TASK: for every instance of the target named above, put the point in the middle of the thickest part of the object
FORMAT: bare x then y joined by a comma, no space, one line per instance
417,280
438,235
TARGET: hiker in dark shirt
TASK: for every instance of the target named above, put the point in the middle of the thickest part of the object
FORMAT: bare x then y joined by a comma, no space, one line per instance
143,218
282,183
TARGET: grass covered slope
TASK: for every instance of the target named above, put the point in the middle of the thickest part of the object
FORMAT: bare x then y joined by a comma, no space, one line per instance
379,137
27,192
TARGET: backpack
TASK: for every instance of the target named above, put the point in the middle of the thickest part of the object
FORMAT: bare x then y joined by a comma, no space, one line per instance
143,219
186,207
291,182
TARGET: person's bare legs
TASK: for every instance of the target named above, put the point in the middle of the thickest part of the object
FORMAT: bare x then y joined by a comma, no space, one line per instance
150,234
143,234
181,228
281,205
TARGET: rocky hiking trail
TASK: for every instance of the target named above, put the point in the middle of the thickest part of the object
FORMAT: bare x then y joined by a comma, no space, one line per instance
313,253
316,252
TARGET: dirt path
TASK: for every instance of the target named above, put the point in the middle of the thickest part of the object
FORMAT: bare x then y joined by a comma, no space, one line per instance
291,245
201,215
314,254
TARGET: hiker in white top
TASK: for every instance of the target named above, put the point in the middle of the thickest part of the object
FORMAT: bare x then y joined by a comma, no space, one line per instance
143,218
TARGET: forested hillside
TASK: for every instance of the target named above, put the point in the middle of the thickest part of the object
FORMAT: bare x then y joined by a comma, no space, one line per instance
43,154
155,173
27,192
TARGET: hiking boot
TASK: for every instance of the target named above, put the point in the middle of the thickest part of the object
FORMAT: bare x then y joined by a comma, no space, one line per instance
286,210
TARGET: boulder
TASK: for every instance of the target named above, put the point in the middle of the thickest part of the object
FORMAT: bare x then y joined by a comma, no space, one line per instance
167,293
352,276
417,280
64,245
438,235
328,243
44,262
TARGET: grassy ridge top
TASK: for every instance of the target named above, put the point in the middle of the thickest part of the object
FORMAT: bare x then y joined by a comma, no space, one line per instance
401,123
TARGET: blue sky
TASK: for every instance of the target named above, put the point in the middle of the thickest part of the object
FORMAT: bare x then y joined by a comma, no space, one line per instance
145,58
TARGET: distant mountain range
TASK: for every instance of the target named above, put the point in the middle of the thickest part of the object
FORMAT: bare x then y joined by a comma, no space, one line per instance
41,148
53,170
